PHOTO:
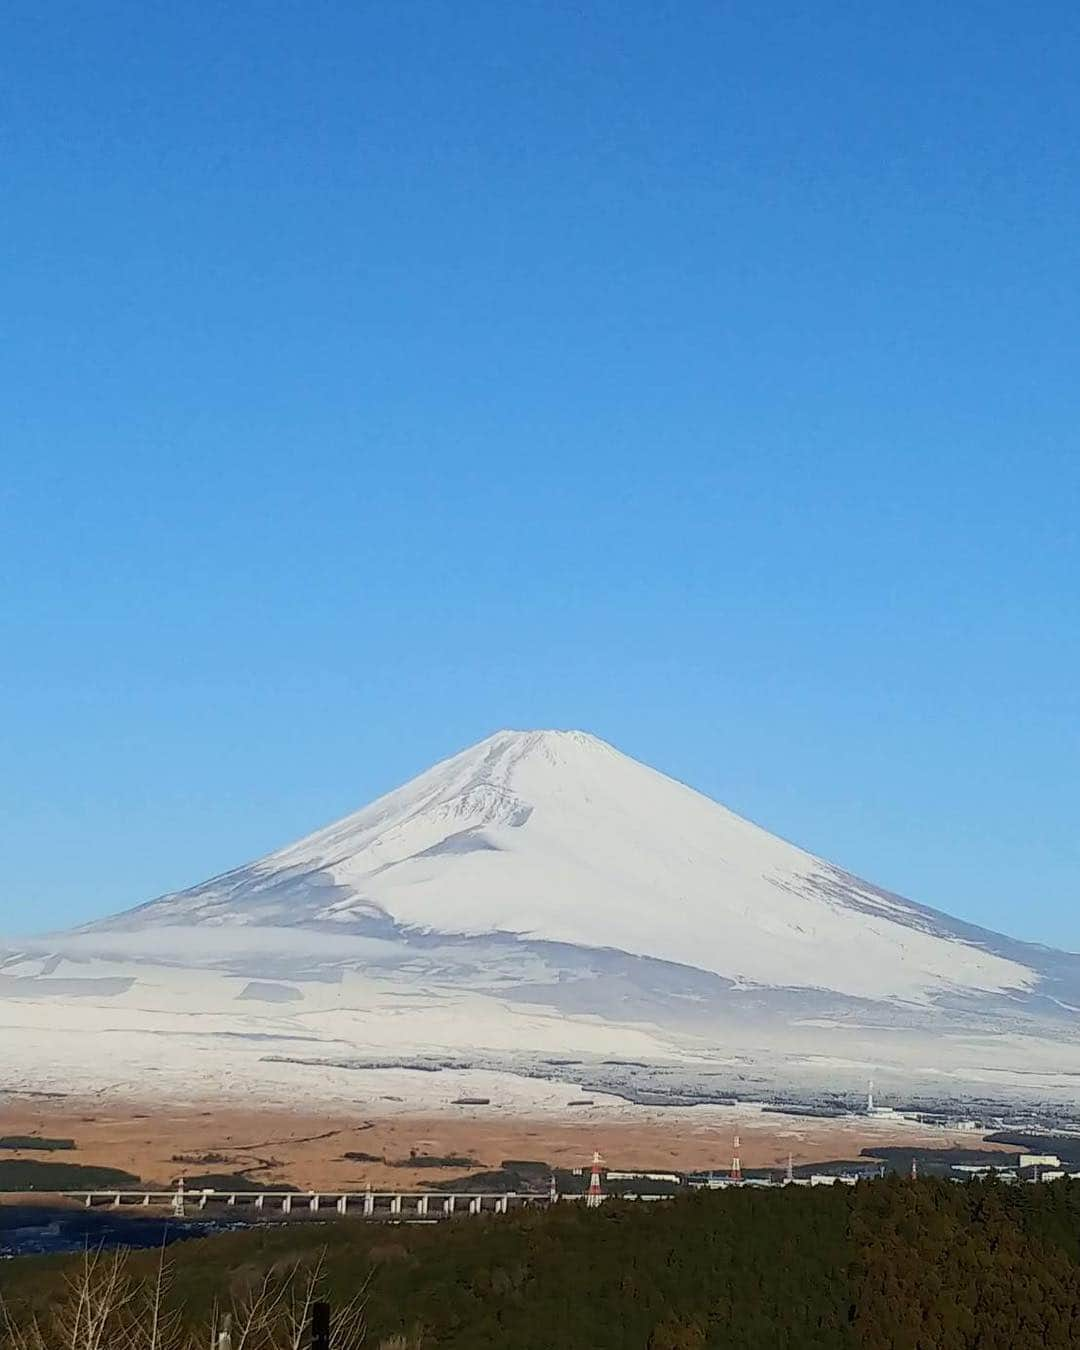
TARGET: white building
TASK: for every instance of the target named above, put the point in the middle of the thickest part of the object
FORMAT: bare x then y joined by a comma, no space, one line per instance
673,1177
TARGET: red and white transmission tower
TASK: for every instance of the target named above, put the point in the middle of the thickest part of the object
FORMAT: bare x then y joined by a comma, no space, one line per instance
595,1194
736,1165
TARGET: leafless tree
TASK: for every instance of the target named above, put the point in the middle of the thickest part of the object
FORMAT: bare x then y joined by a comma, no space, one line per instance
105,1306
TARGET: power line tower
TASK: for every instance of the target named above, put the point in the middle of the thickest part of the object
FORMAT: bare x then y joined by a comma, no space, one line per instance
736,1163
595,1194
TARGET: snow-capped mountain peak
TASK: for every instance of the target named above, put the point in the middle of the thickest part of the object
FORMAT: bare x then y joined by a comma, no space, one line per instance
539,901
557,836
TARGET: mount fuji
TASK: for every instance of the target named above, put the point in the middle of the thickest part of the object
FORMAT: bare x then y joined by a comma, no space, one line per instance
539,895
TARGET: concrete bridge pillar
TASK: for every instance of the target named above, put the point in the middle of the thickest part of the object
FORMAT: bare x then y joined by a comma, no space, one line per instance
449,1204
421,1205
286,1204
343,1204
259,1200
146,1199
395,1205
313,1203
89,1200
202,1200
474,1205
116,1200
232,1201
369,1204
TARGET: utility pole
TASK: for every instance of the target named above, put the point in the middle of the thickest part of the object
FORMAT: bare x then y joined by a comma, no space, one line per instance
320,1326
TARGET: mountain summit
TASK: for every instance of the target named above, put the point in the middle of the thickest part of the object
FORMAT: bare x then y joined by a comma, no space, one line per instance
557,836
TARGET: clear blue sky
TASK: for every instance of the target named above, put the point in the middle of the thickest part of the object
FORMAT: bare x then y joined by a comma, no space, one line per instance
705,375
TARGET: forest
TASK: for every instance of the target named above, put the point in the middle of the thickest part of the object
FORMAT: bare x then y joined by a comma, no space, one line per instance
888,1264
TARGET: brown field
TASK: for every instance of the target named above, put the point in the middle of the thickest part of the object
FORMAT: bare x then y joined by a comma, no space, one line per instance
305,1148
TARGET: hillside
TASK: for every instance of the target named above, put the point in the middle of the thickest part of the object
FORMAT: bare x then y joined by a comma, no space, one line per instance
887,1265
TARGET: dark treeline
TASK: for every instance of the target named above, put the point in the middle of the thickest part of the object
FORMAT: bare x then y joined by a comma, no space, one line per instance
28,1174
886,1265
38,1143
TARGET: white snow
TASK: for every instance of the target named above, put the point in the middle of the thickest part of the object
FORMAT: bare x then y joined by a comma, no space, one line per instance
184,1033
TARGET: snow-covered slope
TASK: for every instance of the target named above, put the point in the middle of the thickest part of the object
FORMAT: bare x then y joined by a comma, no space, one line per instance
537,897
558,836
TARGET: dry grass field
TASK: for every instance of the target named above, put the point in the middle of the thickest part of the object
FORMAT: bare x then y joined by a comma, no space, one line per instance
277,1143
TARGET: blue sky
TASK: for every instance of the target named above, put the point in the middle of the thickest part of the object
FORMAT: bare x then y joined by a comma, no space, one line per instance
379,375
